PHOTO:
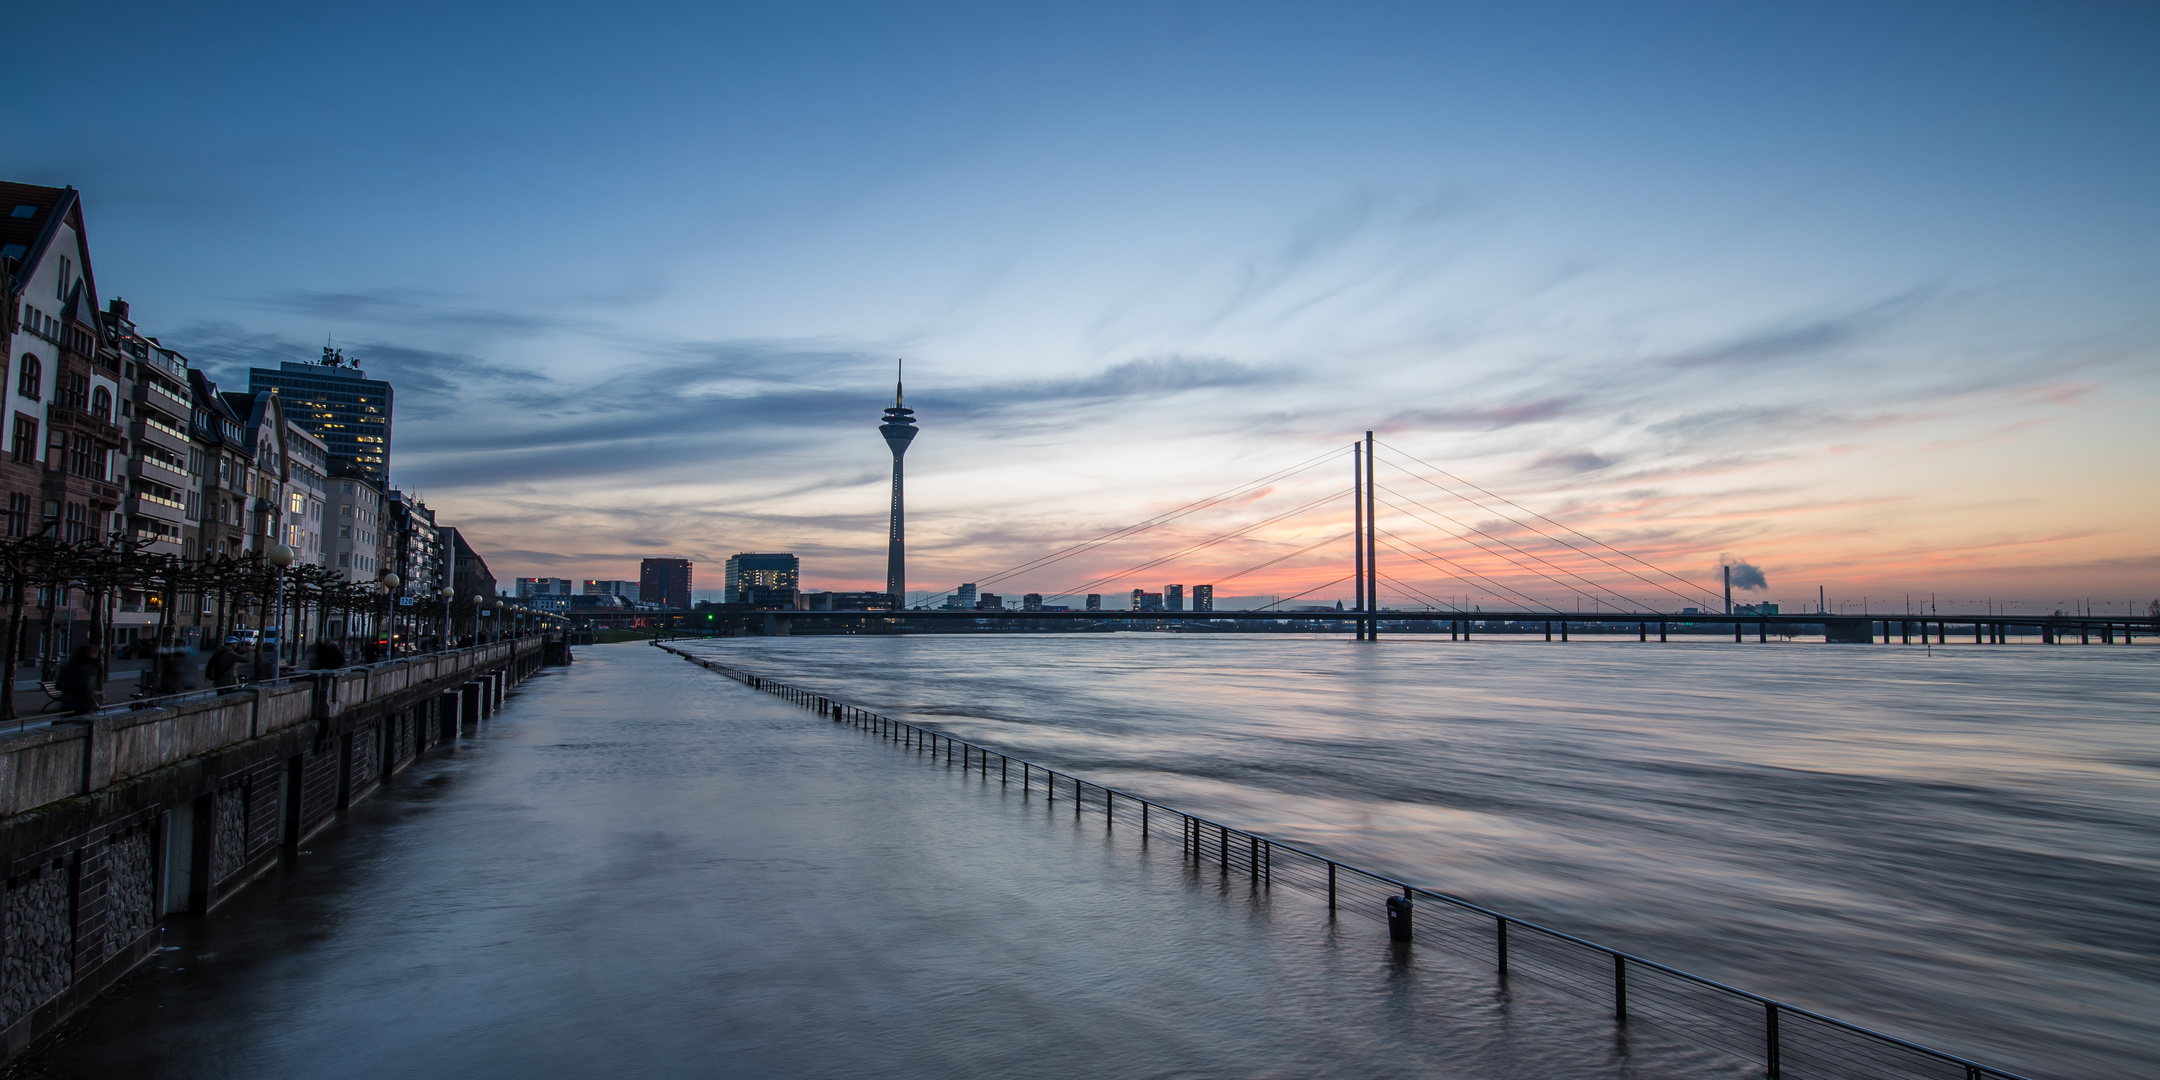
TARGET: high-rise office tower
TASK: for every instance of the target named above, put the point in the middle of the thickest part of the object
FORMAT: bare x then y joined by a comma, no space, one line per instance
665,582
899,431
1203,598
337,403
750,574
1173,597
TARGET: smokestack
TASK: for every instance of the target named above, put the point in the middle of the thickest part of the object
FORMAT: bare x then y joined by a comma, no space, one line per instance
1728,590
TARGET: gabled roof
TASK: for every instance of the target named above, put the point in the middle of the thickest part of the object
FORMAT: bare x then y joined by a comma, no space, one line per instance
208,399
36,233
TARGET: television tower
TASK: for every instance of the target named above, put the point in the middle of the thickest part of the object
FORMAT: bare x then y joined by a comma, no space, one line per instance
899,431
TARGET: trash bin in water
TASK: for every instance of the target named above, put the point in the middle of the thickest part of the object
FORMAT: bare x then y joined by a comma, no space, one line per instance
1398,917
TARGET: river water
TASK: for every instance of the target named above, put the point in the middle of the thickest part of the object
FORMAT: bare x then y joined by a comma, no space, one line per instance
639,868
1959,845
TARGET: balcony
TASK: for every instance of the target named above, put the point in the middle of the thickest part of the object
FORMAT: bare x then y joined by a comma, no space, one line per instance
156,506
60,416
150,427
151,468
164,396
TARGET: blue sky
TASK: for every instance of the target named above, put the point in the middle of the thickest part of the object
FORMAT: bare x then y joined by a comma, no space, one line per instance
1861,294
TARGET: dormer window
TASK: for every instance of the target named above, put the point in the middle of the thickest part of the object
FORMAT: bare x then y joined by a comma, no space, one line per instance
24,211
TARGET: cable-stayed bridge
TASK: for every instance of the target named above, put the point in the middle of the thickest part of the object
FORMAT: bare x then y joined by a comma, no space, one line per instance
1422,550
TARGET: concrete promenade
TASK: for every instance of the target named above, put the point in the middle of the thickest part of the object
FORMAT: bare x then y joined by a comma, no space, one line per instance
114,822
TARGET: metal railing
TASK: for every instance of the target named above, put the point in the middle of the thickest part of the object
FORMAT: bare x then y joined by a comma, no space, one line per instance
1786,1041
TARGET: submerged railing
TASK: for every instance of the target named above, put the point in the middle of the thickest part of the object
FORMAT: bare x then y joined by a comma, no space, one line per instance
1786,1041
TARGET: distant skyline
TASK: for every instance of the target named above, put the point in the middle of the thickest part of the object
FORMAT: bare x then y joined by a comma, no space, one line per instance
1860,295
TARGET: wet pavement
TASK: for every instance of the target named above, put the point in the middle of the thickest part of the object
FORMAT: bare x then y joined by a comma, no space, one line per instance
641,869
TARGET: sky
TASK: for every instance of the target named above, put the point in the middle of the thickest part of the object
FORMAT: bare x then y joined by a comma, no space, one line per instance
1857,297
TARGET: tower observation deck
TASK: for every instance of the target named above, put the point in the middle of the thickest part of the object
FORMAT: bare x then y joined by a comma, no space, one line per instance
899,431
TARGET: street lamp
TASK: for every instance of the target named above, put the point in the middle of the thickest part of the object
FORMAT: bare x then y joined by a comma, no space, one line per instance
281,557
390,583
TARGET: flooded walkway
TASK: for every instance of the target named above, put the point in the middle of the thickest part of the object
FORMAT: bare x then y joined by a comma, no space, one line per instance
641,869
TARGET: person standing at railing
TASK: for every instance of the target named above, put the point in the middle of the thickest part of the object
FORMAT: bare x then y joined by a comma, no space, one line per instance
328,657
223,667
79,680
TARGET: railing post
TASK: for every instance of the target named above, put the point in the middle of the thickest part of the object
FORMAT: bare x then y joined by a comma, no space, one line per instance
1331,888
1770,1040
1502,921
1619,988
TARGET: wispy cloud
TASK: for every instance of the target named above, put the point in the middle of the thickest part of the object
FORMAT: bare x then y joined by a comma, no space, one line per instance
1812,338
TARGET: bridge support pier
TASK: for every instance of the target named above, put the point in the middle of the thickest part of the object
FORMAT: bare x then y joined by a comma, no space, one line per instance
1661,630
1548,629
1642,631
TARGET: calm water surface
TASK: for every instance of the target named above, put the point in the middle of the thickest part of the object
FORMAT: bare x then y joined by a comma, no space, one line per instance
1958,845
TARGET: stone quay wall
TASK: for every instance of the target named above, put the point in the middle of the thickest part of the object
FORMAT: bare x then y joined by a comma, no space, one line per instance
111,822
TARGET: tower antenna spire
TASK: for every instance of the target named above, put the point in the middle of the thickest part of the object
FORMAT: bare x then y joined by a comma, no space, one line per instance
899,430
899,370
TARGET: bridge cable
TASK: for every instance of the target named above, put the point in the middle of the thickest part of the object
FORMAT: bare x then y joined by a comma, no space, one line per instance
1414,591
1280,601
1558,540
1595,588
1273,561
1594,591
1526,598
1139,527
1208,543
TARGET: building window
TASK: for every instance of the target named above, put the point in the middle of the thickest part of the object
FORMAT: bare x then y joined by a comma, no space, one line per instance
101,404
33,377
84,458
18,514
26,441
75,391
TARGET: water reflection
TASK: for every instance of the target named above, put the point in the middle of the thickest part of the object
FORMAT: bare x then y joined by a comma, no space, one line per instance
1953,845
642,869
